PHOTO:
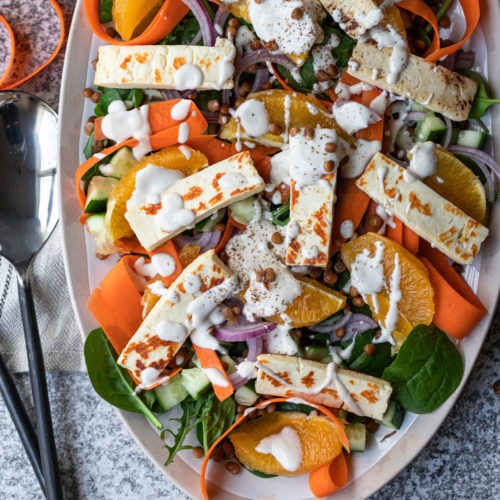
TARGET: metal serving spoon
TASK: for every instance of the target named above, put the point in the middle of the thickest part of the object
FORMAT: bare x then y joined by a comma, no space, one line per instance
28,214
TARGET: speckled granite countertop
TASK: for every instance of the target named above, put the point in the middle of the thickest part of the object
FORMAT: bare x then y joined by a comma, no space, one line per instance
99,460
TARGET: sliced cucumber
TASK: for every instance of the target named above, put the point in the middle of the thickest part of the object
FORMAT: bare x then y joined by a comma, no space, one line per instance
104,244
431,128
356,435
209,223
393,416
98,193
245,395
471,138
229,363
122,161
195,381
316,352
243,211
170,394
415,106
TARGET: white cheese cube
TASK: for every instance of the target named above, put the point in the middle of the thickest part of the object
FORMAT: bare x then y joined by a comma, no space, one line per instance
433,86
178,67
200,194
146,349
311,380
423,210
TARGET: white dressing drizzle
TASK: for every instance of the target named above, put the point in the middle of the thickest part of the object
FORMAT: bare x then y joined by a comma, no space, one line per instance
183,135
285,447
171,331
352,116
358,157
253,117
164,264
180,110
121,124
188,76
216,377
423,162
192,283
347,229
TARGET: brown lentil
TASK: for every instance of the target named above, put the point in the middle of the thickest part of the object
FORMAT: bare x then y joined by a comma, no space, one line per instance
224,109
294,131
419,45
198,452
329,277
87,93
95,97
88,128
339,267
233,467
245,89
271,45
358,301
269,275
255,44
110,31
375,222
316,273
369,349
234,23
213,105
372,426
333,70
228,449
329,166
445,22
309,133
267,86
230,32
297,13
259,275
218,454
275,129
353,292
277,238
330,147
340,332
323,76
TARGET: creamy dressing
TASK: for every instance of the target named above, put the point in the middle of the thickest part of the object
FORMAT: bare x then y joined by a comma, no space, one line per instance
183,135
358,157
272,20
379,104
323,57
192,283
253,117
395,296
149,376
367,273
285,447
186,151
180,110
171,331
173,216
144,268
279,341
164,264
347,229
308,156
216,377
246,369
423,161
188,76
232,180
352,116
150,183
387,219
121,124
243,39
398,62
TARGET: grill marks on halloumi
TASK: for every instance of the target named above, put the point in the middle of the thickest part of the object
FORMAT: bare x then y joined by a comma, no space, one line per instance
433,86
424,211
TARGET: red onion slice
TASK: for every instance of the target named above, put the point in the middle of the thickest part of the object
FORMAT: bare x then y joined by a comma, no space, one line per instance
241,333
205,240
329,326
449,132
477,154
255,346
207,30
170,94
237,380
261,77
220,18
358,323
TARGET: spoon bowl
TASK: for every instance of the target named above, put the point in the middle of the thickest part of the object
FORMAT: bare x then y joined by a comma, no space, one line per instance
28,214
28,156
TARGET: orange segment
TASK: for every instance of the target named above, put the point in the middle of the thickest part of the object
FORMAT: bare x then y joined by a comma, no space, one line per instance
304,111
132,17
171,158
458,184
188,253
417,303
316,303
319,440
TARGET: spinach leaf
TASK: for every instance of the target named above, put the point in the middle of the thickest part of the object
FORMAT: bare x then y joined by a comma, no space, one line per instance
215,417
302,408
183,33
307,76
109,380
281,214
87,150
204,97
105,15
426,371
135,96
344,49
108,96
374,364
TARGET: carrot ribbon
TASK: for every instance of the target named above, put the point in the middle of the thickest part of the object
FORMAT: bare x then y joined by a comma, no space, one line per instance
167,18
329,478
5,84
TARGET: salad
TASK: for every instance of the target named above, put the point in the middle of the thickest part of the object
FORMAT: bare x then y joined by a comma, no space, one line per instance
287,197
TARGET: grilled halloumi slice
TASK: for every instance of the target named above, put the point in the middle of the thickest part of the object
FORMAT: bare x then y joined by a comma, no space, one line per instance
166,66
146,349
356,17
301,376
433,86
203,193
423,210
311,204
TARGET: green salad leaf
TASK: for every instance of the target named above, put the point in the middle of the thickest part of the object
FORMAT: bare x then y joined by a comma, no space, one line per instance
426,371
183,33
109,380
105,14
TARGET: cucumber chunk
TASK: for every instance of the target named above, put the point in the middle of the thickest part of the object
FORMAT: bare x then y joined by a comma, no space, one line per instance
245,395
356,435
98,193
210,222
471,138
431,128
194,381
393,416
170,394
104,244
122,161
243,211
316,352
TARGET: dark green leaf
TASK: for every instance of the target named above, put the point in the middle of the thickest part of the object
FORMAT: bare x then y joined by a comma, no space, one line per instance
105,12
308,77
374,364
204,97
301,408
426,371
344,49
109,380
281,214
87,150
482,101
106,99
260,474
216,416
135,96
342,279
183,33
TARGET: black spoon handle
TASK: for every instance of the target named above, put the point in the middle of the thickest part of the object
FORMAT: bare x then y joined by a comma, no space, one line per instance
21,420
43,417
